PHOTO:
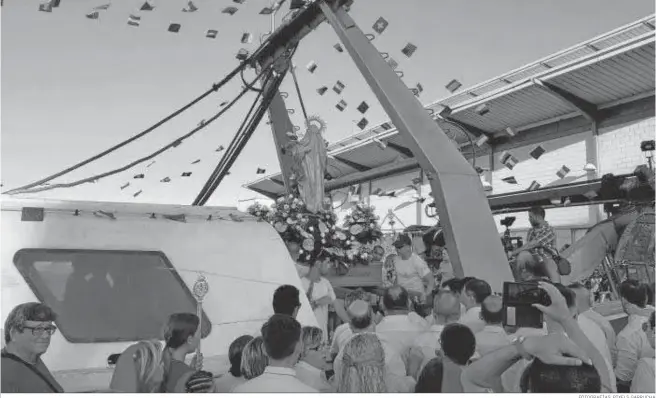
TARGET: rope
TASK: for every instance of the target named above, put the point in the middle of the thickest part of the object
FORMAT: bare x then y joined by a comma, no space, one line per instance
140,160
215,87
298,92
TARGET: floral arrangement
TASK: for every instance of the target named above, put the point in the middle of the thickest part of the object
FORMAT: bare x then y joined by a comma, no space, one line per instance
362,222
317,234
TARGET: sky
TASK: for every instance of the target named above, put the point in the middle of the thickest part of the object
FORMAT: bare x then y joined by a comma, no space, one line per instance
72,86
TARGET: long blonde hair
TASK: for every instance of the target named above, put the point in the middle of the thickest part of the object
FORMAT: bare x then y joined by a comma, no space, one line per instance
148,363
363,366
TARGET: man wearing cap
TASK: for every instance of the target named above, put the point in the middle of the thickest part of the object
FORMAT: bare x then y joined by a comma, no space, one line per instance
411,271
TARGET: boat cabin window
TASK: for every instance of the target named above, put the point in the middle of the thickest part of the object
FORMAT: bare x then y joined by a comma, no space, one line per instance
107,296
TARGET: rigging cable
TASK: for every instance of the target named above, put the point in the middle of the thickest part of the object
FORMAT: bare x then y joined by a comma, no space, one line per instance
224,165
140,160
215,87
298,92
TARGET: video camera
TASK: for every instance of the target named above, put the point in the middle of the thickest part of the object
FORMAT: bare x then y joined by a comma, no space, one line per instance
509,243
508,222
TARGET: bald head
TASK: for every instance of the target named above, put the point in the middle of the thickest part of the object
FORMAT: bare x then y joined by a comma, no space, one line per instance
492,310
396,298
360,315
446,307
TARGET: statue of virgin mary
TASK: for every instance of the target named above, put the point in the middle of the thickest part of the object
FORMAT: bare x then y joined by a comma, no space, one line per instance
310,158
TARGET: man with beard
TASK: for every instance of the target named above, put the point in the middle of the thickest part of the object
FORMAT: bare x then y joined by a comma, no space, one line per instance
540,246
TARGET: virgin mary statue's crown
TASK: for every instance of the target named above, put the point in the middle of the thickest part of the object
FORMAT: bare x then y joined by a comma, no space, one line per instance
316,122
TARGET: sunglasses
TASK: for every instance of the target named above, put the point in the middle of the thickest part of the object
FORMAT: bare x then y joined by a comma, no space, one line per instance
40,330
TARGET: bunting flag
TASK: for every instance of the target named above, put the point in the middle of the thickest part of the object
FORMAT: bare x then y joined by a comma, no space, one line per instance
380,25
174,27
341,105
409,50
338,87
150,164
453,86
246,38
147,6
260,171
230,10
93,15
363,107
137,193
212,33
508,160
392,63
139,176
312,66
196,161
563,172
482,109
224,103
266,11
339,48
482,140
219,149
165,179
134,20
191,7
103,7
534,185
45,7
537,152
242,54
387,126
55,3
186,174
125,186
239,1
509,180
322,90
363,123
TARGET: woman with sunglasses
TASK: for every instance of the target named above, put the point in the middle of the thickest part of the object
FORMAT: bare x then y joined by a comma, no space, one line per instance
27,331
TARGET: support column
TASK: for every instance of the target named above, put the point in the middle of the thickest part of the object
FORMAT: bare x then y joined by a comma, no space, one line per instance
471,236
280,126
420,205
591,156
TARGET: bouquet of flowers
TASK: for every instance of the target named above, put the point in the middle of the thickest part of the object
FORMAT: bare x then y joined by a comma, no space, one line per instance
259,211
362,222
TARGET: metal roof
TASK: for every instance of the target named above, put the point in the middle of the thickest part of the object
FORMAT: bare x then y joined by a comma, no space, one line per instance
608,69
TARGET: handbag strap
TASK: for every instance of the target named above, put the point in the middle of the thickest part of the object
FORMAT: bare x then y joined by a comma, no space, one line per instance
31,367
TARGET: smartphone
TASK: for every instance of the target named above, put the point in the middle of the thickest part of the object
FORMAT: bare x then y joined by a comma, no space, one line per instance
518,300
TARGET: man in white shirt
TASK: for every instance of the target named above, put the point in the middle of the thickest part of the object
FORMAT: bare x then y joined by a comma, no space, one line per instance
283,345
493,336
632,344
446,310
400,327
584,302
473,294
362,322
643,381
411,271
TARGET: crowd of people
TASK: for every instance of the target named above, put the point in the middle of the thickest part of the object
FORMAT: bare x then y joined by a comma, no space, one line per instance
423,336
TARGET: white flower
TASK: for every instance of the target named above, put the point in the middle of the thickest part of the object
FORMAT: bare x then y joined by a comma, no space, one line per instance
300,251
280,199
311,229
291,196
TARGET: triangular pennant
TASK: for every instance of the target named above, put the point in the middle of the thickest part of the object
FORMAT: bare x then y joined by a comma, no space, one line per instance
453,86
174,28
212,33
409,50
322,90
380,25
509,180
147,6
230,10
312,66
363,107
191,7
537,152
363,123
